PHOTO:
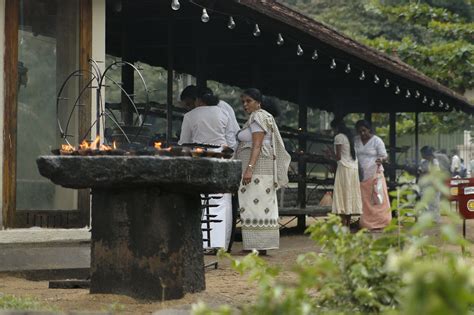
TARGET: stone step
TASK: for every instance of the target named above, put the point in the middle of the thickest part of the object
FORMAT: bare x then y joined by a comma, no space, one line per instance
44,253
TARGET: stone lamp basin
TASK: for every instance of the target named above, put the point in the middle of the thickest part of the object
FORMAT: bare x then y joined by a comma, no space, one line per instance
146,218
178,174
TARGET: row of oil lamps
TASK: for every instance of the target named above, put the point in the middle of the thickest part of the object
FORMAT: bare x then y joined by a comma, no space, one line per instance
94,149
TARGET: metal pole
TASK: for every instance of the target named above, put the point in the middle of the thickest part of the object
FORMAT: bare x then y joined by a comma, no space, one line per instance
169,90
393,145
417,145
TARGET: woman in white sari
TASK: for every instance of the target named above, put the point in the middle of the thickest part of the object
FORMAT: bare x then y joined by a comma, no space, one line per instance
265,165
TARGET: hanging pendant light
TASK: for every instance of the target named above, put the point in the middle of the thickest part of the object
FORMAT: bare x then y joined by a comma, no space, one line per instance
376,79
386,83
280,39
362,76
333,64
231,23
348,68
256,31
175,5
397,90
315,55
205,17
417,94
408,94
299,50
425,100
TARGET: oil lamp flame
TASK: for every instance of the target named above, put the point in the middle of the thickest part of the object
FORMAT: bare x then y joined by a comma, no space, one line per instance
67,148
95,143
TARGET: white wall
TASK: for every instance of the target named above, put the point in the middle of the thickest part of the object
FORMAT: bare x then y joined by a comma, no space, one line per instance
98,47
2,98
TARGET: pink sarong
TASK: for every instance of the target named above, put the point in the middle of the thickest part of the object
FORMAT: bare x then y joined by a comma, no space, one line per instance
374,216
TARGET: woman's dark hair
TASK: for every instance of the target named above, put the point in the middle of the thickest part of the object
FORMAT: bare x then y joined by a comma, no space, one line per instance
270,105
364,123
207,96
254,93
190,91
339,125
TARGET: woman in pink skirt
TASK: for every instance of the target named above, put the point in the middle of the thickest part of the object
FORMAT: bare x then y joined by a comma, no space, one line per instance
371,153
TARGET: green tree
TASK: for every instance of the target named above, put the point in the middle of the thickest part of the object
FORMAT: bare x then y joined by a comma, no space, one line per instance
434,36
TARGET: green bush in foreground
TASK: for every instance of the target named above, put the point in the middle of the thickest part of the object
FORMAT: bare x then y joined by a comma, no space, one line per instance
414,270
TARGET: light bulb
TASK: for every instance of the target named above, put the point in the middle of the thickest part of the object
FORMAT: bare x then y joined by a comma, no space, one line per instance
204,16
397,90
315,55
425,100
376,79
387,83
280,40
299,50
432,103
256,31
175,5
231,24
408,94
417,94
333,64
362,75
348,69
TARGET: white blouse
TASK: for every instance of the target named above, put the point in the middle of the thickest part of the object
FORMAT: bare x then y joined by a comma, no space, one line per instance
245,135
367,154
346,157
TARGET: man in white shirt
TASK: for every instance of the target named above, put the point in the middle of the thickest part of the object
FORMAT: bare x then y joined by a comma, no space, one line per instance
188,99
207,123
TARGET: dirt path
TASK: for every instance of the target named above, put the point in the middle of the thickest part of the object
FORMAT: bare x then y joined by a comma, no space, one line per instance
223,286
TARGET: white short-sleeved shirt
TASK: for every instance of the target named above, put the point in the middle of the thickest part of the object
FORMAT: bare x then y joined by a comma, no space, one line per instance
346,158
206,125
367,154
233,127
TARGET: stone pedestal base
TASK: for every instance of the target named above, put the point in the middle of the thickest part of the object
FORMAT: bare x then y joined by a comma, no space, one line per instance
146,243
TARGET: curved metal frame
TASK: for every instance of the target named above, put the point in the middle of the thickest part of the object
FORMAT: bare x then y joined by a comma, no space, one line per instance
98,77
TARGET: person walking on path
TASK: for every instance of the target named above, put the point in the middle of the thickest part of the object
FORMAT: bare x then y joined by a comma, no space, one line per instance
346,196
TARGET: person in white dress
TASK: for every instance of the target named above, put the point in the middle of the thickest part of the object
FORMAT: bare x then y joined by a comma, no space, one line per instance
208,124
346,196
371,153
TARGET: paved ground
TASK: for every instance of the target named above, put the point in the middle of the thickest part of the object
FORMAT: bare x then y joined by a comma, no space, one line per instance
44,249
40,235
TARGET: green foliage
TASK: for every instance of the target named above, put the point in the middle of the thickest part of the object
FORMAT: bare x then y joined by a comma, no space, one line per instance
410,269
433,36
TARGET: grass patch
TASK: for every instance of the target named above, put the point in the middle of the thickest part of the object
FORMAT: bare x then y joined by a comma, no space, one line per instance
11,302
